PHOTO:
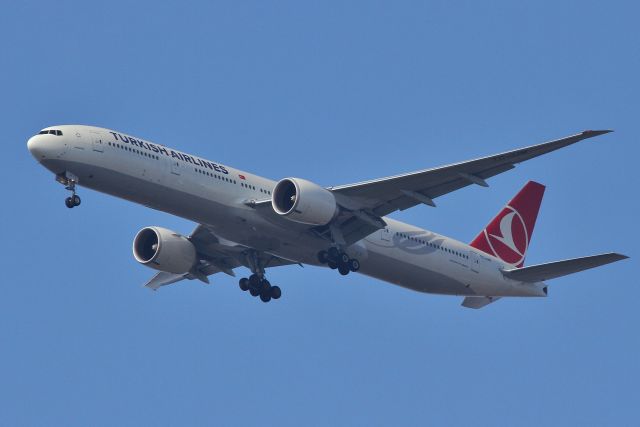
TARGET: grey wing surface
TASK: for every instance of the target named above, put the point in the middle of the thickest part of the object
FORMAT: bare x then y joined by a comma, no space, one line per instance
377,198
386,195
364,204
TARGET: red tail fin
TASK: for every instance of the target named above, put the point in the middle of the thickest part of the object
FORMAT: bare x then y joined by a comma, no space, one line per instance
508,235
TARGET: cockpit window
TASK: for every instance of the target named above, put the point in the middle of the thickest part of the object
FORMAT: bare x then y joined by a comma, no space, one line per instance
50,131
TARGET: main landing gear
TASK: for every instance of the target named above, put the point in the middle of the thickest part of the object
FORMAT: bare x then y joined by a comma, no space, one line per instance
261,287
337,259
69,180
257,284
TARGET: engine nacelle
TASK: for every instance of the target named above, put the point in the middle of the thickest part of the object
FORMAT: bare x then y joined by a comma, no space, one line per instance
303,201
164,250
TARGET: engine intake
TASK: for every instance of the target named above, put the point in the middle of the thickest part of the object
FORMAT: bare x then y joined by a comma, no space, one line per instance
164,250
303,201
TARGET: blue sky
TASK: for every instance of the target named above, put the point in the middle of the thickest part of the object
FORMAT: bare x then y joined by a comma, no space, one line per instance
335,92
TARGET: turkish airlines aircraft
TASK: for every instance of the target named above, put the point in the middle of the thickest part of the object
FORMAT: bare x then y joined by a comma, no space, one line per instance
246,220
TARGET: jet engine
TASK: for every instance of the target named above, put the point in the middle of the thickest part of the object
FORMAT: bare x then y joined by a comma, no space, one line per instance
164,250
303,201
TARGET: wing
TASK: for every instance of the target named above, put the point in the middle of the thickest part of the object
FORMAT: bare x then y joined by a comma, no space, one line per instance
374,199
551,270
386,195
216,255
364,204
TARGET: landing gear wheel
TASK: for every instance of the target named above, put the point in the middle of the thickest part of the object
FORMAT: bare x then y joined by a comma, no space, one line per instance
254,292
343,269
69,180
333,265
344,258
244,284
276,293
265,286
354,265
265,296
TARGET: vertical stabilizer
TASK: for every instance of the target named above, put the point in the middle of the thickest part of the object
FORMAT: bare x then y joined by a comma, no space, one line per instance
508,235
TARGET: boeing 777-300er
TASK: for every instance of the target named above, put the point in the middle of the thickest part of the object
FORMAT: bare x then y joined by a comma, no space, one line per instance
249,221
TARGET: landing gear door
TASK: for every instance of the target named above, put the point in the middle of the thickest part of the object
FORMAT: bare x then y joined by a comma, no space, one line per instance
97,142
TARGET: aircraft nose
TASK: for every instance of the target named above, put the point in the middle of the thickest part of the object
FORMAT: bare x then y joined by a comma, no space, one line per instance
36,146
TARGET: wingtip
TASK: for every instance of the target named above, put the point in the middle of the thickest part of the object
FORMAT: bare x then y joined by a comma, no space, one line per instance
615,256
591,133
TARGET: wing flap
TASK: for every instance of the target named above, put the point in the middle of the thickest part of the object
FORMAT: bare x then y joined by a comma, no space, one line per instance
163,279
478,302
552,270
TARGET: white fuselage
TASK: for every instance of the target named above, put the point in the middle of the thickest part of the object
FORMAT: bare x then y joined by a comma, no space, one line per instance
216,195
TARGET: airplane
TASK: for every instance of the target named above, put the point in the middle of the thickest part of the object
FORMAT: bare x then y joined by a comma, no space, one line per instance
245,220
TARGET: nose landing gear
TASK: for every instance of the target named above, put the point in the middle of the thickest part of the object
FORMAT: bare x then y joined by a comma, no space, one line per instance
337,259
70,180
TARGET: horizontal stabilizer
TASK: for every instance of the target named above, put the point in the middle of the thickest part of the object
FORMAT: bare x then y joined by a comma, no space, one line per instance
551,270
478,302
